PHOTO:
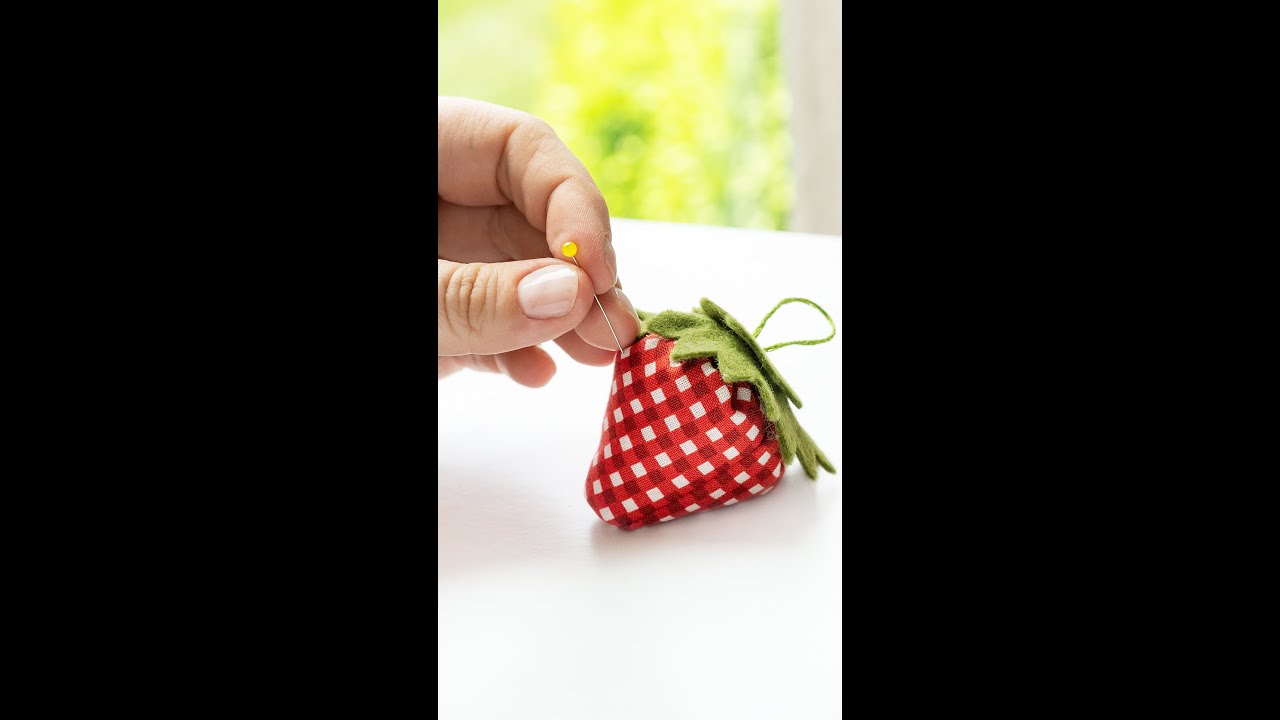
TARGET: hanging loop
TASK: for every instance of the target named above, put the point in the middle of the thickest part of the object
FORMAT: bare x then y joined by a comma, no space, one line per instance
796,342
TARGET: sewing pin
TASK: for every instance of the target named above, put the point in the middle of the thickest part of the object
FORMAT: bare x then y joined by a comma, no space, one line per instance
570,249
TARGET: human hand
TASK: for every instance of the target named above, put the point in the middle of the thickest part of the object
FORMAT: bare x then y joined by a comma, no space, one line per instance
510,194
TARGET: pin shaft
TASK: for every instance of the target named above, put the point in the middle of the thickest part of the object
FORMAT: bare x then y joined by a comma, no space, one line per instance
602,312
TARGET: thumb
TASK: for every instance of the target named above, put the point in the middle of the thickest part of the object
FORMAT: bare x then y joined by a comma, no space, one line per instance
489,308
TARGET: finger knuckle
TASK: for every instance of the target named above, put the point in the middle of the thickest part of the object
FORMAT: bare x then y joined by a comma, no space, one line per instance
538,127
470,296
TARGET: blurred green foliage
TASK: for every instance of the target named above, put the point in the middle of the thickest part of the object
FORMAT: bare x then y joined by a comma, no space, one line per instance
678,109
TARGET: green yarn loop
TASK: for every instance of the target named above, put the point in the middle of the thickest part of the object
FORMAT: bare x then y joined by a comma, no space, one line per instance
815,305
710,332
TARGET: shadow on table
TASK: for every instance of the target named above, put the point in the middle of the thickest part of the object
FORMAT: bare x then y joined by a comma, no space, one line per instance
785,516
489,518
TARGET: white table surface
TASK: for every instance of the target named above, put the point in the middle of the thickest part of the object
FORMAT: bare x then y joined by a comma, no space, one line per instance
547,612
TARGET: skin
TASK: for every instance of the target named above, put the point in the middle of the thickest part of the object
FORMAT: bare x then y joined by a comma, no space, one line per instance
510,194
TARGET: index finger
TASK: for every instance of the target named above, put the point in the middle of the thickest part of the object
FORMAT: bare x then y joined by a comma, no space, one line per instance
492,155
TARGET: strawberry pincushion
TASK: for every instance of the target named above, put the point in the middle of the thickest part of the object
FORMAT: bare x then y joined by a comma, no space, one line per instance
697,418
673,435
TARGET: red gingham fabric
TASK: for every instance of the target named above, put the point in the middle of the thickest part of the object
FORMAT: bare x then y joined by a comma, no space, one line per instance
677,440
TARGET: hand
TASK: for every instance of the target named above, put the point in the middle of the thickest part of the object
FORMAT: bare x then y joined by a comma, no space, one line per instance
510,194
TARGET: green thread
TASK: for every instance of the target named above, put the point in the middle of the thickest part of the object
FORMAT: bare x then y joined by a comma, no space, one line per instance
756,334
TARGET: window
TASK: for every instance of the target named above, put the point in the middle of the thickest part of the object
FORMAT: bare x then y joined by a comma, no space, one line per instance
678,109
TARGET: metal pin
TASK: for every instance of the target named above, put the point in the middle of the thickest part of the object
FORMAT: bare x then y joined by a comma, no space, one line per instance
570,249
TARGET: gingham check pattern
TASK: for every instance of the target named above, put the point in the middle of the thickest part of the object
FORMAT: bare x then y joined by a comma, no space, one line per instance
677,440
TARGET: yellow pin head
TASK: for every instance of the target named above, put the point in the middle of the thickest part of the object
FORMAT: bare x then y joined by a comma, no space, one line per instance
569,249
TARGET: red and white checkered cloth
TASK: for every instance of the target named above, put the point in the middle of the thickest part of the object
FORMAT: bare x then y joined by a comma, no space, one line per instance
677,440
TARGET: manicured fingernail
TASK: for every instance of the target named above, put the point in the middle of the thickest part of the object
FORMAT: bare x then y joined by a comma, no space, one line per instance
611,260
548,293
625,300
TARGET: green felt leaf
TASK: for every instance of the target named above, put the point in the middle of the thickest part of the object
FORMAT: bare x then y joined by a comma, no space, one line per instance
710,332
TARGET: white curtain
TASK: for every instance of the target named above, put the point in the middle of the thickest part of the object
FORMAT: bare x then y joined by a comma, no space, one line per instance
812,55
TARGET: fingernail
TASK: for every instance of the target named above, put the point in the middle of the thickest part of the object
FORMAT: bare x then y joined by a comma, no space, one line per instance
611,260
548,293
625,300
